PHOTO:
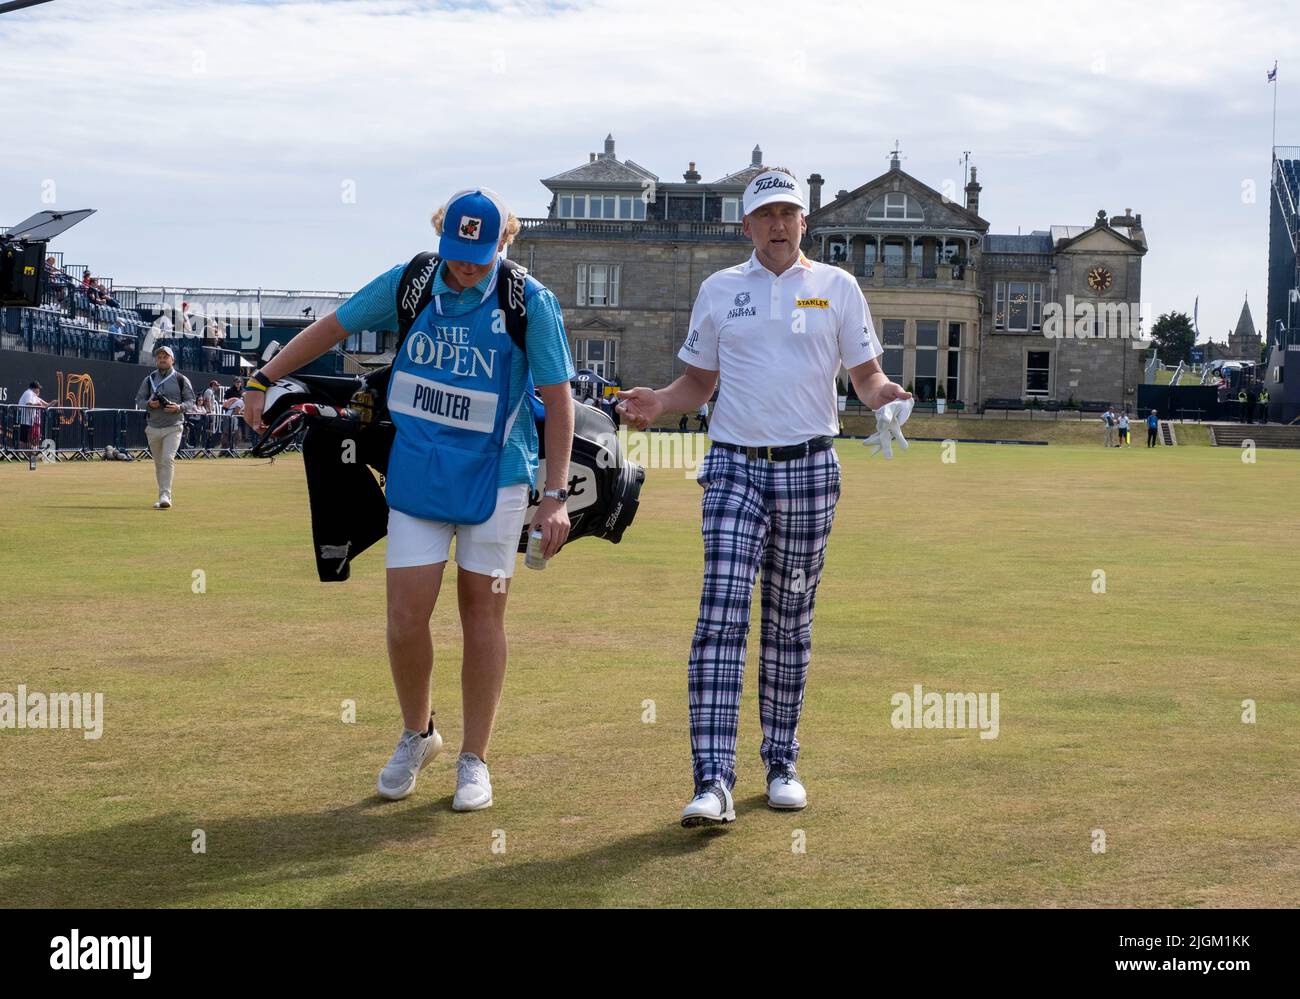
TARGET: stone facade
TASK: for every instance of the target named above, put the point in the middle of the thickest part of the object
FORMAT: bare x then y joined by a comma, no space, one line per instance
658,282
1090,283
994,309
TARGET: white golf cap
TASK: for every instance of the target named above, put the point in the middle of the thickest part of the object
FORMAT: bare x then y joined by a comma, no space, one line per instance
164,349
770,186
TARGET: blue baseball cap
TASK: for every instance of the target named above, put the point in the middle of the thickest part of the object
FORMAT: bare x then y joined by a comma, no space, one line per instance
472,226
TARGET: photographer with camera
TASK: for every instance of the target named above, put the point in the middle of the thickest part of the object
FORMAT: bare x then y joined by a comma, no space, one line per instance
168,395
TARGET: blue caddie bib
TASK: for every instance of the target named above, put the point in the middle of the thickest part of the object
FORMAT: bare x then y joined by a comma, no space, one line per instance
448,397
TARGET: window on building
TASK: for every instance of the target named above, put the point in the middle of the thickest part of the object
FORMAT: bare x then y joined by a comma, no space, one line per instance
730,209
596,355
954,362
895,258
1038,372
837,249
1018,306
927,360
601,206
892,360
896,206
364,342
598,284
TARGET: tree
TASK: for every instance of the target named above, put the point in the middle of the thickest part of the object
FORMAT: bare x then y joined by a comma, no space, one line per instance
1174,337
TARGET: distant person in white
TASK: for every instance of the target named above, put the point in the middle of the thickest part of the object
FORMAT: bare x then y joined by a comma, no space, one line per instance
776,329
30,405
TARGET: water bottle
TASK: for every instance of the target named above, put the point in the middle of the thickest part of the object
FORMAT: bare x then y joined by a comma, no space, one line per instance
533,555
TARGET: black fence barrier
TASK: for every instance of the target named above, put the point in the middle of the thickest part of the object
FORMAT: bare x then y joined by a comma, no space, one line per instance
71,433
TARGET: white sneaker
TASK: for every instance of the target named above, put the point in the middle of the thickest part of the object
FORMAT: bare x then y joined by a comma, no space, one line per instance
473,789
413,753
164,501
784,789
712,806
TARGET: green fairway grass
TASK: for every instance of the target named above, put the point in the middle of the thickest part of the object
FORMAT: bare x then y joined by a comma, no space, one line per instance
1119,711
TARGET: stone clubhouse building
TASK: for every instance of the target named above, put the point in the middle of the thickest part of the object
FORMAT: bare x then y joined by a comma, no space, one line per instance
984,318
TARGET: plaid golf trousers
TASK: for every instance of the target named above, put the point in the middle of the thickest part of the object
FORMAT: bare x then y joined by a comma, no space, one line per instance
777,515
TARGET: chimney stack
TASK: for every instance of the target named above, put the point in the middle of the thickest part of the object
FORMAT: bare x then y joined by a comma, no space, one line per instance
815,183
756,157
609,147
973,193
691,176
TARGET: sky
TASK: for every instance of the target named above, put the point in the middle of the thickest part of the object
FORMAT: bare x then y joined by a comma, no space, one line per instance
305,145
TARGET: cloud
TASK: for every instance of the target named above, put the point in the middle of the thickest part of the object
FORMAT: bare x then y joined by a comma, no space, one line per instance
215,137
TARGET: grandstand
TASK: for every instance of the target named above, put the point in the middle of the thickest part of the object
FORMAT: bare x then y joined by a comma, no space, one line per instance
90,344
1282,332
228,328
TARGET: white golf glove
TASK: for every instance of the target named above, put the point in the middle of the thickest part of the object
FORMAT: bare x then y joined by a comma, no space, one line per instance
889,427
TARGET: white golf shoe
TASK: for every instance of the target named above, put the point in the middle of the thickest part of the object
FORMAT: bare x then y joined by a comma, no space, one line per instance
413,753
712,806
164,501
473,789
784,789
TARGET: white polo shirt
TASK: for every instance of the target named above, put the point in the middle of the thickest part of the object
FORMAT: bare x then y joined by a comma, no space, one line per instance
777,343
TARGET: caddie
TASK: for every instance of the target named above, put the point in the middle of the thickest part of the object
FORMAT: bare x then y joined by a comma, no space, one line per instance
463,457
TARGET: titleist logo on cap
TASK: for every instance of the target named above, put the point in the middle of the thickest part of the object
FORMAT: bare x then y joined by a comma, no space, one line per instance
763,183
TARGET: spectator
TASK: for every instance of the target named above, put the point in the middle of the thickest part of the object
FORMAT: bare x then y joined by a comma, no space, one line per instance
167,394
164,324
1153,422
86,279
234,406
212,406
30,405
1123,431
187,326
1108,418
703,416
56,280
99,295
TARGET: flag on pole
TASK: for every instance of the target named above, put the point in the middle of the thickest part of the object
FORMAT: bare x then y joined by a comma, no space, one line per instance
1272,73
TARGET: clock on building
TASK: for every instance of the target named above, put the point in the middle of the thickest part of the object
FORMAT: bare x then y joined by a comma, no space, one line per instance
1099,279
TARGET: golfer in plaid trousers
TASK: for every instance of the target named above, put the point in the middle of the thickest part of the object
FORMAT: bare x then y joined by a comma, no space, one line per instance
776,329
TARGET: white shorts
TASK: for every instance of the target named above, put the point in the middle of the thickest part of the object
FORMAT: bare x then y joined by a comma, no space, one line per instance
487,548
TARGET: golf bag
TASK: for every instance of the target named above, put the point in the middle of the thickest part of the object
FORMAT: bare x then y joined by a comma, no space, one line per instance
345,430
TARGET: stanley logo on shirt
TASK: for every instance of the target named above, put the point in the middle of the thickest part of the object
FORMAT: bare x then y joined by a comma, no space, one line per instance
812,303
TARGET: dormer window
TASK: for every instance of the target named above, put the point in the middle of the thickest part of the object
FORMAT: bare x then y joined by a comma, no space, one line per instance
895,207
601,206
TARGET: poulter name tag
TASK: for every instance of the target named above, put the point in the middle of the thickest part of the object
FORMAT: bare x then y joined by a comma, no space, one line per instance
450,405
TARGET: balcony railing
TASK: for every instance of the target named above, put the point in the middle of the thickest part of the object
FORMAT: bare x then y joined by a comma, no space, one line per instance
633,230
1017,261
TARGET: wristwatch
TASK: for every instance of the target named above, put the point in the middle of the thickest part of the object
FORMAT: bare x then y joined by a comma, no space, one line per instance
557,494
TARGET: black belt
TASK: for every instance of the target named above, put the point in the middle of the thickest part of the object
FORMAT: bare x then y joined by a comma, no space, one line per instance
788,453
